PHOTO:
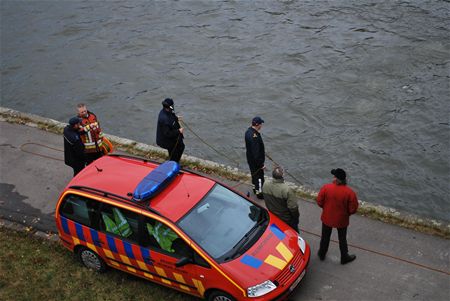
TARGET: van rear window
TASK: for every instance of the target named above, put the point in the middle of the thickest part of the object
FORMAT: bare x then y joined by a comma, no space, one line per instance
79,209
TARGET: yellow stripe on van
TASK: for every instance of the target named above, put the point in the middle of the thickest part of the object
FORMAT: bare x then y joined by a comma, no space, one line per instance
131,269
142,265
276,262
76,241
160,272
148,275
115,263
125,259
199,285
284,251
108,253
166,281
179,278
91,246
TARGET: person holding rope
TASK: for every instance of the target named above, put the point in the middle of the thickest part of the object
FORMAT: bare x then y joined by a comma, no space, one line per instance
280,199
73,146
254,146
91,134
169,133
338,202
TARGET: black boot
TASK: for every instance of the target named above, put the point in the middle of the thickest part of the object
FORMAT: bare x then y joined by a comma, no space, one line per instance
321,256
348,258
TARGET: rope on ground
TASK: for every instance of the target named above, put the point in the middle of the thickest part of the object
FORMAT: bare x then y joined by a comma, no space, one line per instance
22,148
384,255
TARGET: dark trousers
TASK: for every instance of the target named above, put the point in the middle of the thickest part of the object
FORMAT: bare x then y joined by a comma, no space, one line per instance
325,240
176,151
77,168
294,224
91,157
257,174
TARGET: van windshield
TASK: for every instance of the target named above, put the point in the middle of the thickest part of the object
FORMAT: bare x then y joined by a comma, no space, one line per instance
224,223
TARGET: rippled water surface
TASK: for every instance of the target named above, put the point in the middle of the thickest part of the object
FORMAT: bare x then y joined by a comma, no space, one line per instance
361,85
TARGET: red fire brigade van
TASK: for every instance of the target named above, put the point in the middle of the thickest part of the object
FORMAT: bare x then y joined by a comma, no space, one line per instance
178,229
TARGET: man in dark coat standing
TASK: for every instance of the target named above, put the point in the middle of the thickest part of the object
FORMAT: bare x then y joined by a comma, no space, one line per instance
256,155
338,202
169,133
73,146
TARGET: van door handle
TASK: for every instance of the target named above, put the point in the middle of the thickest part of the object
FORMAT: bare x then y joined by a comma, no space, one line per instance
98,242
148,260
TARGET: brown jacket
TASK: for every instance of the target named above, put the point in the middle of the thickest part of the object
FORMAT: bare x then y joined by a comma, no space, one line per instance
279,199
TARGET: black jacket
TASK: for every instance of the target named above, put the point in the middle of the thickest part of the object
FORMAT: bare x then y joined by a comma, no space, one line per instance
167,131
73,147
255,148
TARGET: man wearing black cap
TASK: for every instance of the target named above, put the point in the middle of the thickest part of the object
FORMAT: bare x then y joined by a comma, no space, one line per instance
169,133
338,202
255,155
73,146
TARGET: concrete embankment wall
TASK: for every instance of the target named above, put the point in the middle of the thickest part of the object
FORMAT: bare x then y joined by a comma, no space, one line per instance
378,212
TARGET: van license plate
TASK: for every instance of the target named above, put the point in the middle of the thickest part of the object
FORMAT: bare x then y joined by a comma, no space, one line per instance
296,282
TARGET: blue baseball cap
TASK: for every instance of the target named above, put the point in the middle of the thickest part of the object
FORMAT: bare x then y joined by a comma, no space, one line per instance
74,120
257,120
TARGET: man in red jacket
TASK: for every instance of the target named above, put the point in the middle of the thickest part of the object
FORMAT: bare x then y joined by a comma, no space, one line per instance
338,202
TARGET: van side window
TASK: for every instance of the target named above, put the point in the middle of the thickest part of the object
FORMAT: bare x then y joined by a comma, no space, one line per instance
79,209
161,237
120,222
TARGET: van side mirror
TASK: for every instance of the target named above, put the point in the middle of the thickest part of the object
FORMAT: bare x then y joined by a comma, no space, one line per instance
183,261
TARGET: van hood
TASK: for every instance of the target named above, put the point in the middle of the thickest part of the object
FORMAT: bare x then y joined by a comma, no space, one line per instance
268,257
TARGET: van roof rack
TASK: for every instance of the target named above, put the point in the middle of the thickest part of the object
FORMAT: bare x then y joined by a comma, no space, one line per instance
113,196
134,158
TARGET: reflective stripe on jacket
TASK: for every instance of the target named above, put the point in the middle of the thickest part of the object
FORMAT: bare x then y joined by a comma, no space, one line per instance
91,133
117,226
163,235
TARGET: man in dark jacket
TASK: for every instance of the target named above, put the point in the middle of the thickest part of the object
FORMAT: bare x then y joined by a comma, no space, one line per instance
73,146
280,199
169,133
338,202
255,155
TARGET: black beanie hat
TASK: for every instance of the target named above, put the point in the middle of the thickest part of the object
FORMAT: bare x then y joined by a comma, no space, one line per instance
339,174
168,102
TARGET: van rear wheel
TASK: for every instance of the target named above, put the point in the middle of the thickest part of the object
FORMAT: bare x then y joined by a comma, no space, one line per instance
220,296
91,260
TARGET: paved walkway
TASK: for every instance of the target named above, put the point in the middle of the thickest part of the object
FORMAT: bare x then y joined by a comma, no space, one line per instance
392,263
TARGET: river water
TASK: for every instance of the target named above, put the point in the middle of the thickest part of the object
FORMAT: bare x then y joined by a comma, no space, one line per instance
362,85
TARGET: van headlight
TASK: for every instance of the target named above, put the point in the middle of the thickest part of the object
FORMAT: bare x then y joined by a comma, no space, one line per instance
261,289
301,244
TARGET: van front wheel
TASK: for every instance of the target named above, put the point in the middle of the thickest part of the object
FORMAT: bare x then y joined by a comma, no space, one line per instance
220,296
91,260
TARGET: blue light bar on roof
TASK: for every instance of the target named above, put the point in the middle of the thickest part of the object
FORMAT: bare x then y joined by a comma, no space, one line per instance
155,181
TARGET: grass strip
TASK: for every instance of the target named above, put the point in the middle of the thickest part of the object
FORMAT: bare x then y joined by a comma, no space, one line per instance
33,268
